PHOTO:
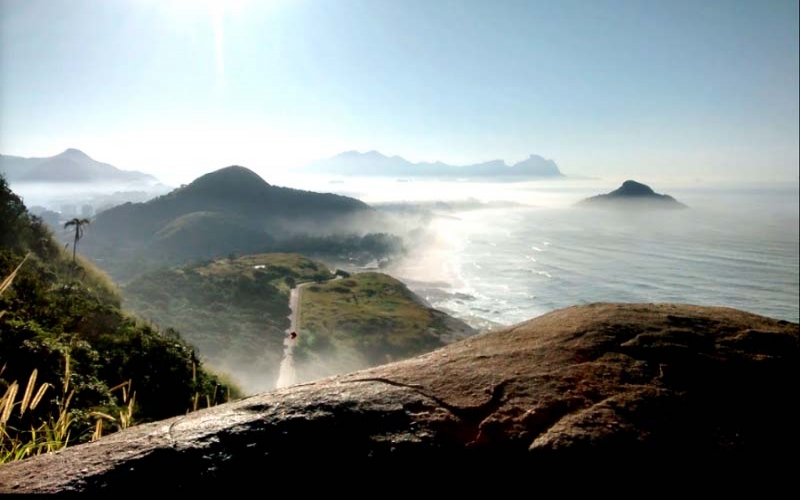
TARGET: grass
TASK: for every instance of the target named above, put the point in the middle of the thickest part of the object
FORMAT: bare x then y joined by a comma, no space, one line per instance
96,279
50,435
369,316
233,310
275,267
23,434
54,433
124,418
210,400
8,280
62,330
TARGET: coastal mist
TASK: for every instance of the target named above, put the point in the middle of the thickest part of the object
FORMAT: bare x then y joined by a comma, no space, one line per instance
508,252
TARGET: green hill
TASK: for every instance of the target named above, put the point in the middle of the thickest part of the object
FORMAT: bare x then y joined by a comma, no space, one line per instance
231,210
364,320
63,319
235,310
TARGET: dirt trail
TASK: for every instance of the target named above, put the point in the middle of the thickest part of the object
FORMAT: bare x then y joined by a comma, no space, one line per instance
287,375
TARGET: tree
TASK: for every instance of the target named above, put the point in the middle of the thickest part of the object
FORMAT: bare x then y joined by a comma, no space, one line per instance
12,216
78,223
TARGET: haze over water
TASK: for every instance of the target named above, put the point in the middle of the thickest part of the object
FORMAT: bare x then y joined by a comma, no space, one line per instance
734,247
629,89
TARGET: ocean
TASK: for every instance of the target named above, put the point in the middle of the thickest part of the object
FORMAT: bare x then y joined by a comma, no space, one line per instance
527,250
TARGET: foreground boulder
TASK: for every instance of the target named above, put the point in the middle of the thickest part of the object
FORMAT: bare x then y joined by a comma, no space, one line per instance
607,378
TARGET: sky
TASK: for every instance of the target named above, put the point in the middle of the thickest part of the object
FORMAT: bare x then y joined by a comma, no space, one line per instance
706,91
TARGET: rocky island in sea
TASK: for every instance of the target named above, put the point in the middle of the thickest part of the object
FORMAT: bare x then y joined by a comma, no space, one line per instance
632,194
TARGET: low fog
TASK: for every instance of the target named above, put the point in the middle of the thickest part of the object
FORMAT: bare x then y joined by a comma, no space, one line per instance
497,253
83,199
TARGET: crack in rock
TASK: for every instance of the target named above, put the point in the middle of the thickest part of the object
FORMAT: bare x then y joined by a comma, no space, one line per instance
472,416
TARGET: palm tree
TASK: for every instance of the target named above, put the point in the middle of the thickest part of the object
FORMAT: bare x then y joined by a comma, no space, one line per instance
78,223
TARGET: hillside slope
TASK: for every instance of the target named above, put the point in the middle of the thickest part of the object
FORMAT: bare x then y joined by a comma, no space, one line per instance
235,310
231,210
364,320
63,319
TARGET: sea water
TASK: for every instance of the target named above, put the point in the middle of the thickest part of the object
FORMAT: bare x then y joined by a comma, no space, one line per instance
734,247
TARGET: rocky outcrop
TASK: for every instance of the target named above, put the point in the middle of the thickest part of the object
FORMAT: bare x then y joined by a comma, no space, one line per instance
632,194
607,378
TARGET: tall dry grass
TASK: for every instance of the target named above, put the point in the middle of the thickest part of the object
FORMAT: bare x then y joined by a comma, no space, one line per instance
52,435
49,436
6,283
124,418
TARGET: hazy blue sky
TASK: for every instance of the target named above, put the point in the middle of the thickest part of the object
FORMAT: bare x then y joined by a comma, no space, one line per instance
695,89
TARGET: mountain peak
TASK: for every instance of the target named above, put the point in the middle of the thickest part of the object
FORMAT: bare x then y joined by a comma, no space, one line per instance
376,163
373,154
70,166
538,165
234,172
74,154
633,188
233,179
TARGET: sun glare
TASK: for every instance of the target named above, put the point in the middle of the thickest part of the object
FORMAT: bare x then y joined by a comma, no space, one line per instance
218,13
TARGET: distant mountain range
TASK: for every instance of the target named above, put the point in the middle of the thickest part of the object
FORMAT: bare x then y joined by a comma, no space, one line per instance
632,193
231,210
375,163
73,166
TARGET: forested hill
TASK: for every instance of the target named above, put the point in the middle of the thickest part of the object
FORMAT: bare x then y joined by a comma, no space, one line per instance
63,320
231,210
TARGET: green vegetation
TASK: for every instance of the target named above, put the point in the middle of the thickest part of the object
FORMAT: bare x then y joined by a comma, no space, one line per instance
358,250
43,437
234,210
234,310
62,330
366,319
